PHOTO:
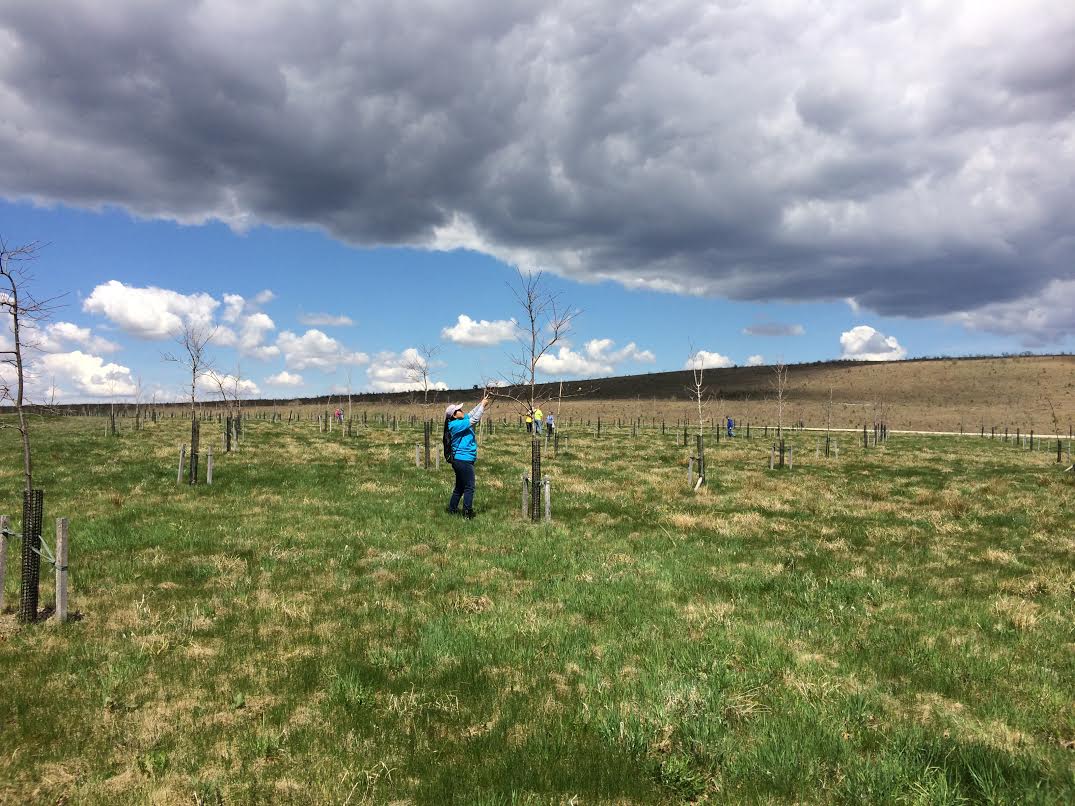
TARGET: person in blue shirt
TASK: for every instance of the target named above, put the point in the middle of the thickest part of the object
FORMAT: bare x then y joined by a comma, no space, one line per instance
461,448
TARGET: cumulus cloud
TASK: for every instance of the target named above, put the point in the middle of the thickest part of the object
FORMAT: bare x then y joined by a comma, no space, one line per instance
598,357
480,333
703,359
255,327
151,312
87,375
399,372
774,329
754,150
284,378
160,313
316,349
601,350
233,307
755,361
863,343
567,362
58,337
325,320
1036,321
247,327
212,382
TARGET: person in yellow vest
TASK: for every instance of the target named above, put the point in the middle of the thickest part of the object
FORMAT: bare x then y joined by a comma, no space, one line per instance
537,420
529,423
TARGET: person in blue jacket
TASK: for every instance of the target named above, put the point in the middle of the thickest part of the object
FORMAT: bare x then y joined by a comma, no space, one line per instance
461,449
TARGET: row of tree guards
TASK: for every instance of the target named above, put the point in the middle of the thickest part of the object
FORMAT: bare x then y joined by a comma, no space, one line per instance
597,425
781,455
155,412
34,548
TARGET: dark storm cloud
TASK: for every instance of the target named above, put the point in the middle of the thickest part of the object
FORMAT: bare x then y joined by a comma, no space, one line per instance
917,157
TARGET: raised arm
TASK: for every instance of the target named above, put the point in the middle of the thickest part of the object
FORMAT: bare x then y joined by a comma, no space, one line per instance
476,413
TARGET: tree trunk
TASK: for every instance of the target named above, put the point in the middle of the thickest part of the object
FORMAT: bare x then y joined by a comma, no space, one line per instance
24,428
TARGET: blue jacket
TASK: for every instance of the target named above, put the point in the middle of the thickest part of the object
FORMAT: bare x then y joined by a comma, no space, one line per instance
464,446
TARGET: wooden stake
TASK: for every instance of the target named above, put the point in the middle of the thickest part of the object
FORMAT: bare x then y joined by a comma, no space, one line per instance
5,523
182,458
526,498
209,465
547,489
427,433
61,570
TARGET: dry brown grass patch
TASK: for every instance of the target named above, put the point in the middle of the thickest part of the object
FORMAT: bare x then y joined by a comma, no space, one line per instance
704,614
684,521
999,557
465,603
1019,613
382,577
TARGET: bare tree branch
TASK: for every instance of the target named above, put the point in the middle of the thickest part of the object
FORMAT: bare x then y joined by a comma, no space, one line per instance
193,338
25,311
698,390
780,384
419,367
546,321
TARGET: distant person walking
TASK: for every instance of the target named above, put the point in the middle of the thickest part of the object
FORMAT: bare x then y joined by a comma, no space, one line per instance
550,423
731,427
461,449
529,422
537,421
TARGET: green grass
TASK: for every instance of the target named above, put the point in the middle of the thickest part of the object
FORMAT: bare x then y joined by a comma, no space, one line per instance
897,625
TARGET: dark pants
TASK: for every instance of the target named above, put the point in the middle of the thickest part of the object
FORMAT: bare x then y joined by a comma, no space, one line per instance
464,485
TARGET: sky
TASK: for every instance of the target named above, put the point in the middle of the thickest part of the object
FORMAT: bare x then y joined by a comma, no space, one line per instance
341,191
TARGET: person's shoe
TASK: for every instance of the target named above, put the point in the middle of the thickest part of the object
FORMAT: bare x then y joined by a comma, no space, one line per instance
468,514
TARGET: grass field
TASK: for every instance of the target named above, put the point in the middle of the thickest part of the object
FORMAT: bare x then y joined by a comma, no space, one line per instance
896,625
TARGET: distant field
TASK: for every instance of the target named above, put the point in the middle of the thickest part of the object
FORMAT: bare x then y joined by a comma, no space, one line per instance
896,625
1029,393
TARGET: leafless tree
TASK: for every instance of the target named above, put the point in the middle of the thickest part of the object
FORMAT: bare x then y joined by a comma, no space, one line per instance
419,367
229,387
1052,412
348,394
828,417
546,321
137,400
194,339
112,407
25,311
780,385
699,391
